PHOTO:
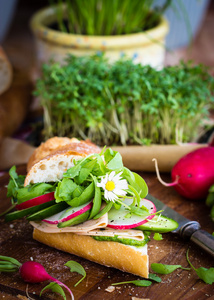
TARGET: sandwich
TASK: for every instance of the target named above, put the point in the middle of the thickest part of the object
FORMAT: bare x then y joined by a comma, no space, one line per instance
82,200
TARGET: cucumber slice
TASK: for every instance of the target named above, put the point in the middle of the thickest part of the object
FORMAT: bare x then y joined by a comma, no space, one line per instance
76,220
159,224
47,212
27,211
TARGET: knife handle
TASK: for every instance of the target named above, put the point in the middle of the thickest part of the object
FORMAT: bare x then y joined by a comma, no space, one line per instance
204,240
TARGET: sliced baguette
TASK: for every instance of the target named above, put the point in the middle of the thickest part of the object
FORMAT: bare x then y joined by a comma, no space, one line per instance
56,144
111,254
51,168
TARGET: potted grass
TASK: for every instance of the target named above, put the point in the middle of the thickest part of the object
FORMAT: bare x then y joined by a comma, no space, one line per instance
119,28
138,110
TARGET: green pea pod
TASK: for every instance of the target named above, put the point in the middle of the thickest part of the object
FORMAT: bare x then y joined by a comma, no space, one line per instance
104,211
75,221
96,201
85,197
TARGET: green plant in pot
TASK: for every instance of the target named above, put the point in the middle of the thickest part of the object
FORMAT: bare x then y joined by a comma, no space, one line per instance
123,103
81,27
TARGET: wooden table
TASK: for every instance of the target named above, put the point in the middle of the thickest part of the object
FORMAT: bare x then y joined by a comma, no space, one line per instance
16,241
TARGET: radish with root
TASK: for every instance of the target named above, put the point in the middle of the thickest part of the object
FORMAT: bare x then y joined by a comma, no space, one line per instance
193,174
30,271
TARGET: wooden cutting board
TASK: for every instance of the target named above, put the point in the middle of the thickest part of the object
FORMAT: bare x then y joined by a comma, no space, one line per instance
16,241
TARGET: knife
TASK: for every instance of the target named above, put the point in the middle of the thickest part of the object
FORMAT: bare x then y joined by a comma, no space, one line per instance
187,229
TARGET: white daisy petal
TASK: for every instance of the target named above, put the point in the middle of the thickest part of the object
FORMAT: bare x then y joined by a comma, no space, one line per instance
120,192
113,186
111,175
123,184
112,197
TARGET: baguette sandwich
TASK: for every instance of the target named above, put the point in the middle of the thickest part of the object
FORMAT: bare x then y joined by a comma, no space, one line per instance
82,200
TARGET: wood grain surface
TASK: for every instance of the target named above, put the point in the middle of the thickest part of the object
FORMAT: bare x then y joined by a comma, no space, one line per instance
16,241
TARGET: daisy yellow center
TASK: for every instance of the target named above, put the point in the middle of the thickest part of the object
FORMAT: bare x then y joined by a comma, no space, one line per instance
110,186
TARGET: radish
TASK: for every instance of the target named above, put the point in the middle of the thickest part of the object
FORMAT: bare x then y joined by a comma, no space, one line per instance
69,214
30,271
36,201
193,174
117,218
34,272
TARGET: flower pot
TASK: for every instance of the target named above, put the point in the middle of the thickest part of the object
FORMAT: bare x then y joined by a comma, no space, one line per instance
147,47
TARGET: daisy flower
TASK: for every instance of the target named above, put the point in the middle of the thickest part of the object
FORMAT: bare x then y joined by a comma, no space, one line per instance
113,186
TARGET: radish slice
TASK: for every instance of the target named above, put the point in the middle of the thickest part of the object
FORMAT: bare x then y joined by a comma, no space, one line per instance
68,214
36,201
117,219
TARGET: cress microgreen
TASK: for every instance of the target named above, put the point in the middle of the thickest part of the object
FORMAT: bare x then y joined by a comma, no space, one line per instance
207,275
154,277
166,269
124,103
158,236
138,282
54,287
76,267
15,183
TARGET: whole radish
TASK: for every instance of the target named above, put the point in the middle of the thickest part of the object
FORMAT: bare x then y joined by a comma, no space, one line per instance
34,272
193,174
30,271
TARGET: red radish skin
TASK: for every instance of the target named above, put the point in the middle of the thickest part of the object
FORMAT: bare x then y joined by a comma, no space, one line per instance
193,174
152,210
56,219
36,201
34,272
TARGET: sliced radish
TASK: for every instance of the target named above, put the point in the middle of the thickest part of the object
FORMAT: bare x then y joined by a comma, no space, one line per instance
117,219
68,214
36,201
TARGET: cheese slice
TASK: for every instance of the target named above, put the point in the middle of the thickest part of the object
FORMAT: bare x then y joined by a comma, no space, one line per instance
81,228
92,228
128,233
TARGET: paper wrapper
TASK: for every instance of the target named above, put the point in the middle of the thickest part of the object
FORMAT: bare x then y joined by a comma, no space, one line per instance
136,158
139,158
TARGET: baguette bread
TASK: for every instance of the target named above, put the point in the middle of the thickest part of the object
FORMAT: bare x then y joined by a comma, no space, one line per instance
52,158
56,144
111,254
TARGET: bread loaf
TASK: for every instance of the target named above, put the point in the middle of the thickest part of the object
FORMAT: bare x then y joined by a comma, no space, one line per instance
58,145
50,160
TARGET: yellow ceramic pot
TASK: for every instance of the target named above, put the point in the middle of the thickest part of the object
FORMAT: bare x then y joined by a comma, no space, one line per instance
146,48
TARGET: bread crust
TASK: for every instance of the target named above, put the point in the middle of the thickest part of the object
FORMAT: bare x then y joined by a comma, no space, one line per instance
51,168
58,145
45,149
110,254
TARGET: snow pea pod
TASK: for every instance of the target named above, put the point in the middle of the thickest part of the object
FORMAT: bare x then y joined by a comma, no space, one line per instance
75,221
85,197
96,201
104,210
